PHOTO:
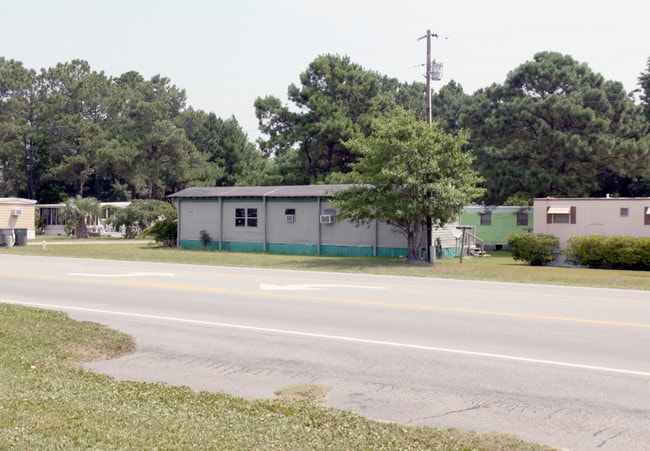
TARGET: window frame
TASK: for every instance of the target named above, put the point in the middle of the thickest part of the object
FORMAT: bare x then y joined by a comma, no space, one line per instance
561,218
245,217
520,217
251,217
561,215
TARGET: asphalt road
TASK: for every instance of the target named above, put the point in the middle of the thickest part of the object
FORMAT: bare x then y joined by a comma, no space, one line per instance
567,367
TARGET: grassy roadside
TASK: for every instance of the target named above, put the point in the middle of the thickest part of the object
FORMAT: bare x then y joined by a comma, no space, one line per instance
499,267
48,402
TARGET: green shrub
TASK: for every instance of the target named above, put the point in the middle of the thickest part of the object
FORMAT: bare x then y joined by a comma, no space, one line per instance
39,224
537,250
163,231
619,252
205,238
585,250
143,213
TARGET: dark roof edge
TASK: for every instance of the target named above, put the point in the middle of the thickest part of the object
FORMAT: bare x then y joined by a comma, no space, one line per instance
289,191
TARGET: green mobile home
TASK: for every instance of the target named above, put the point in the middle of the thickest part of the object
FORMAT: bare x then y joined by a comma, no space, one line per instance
493,225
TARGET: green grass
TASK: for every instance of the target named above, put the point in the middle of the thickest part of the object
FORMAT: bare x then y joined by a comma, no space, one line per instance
499,267
48,402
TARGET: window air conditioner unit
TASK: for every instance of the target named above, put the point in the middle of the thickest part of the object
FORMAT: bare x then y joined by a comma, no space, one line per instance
289,218
327,219
16,212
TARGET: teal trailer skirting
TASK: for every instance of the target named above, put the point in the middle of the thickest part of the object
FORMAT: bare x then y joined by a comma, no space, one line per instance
347,251
196,244
392,252
450,252
308,249
235,246
297,249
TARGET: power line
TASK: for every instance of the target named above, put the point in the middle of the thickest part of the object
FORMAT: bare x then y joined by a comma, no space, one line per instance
600,27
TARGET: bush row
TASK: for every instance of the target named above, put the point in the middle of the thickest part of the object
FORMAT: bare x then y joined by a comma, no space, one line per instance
596,251
619,252
534,249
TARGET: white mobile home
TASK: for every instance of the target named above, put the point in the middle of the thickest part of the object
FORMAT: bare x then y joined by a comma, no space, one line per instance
16,220
566,218
54,223
283,219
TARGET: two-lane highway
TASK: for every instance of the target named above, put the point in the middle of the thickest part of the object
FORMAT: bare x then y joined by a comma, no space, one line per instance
564,366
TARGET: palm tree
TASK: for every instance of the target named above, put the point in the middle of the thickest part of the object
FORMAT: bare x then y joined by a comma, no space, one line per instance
77,210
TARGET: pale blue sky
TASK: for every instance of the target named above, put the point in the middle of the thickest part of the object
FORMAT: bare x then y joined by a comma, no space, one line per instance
225,54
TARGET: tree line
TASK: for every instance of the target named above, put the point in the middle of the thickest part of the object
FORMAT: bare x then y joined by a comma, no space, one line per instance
70,131
552,128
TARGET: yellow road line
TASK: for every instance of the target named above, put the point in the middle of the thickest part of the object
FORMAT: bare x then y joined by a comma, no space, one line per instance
436,287
196,288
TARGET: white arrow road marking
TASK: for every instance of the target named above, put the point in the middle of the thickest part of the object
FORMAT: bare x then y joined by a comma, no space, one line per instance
130,274
312,286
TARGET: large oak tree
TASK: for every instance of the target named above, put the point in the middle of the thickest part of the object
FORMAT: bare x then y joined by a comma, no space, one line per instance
410,170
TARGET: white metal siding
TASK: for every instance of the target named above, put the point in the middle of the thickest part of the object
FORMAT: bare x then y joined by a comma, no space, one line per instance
23,221
304,229
345,233
446,235
197,216
390,237
594,217
232,233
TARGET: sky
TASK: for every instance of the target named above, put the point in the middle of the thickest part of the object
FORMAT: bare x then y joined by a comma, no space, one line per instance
225,54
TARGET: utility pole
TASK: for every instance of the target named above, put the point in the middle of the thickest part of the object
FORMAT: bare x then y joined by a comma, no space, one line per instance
433,72
429,75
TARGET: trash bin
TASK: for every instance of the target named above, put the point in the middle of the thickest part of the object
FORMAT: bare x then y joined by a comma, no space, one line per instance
21,237
7,237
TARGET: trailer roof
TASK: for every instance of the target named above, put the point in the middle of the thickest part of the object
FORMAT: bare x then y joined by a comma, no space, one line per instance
259,191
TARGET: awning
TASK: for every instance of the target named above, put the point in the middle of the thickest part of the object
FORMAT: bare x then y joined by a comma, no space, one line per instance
559,210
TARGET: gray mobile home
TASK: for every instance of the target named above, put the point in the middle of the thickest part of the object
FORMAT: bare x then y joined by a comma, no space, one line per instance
282,219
